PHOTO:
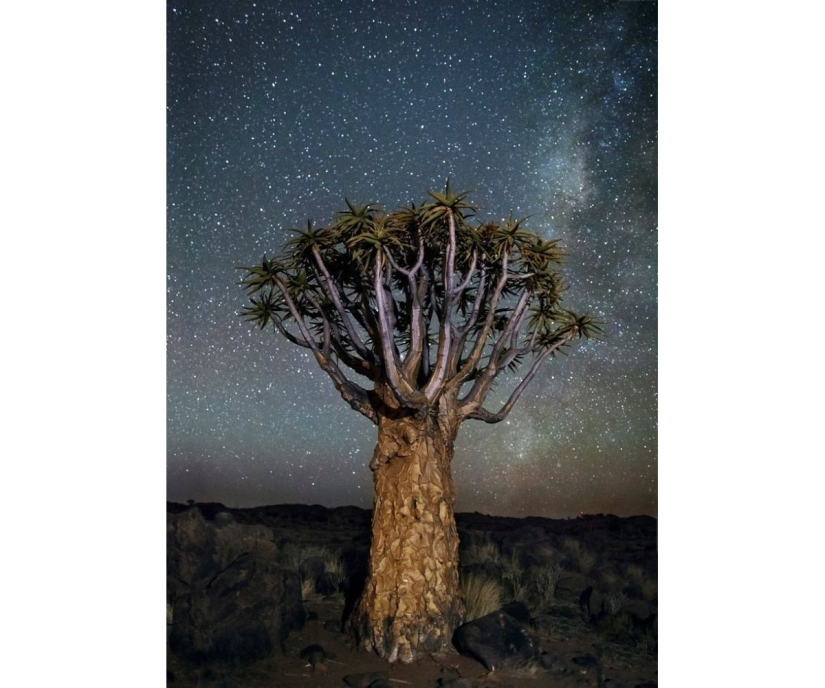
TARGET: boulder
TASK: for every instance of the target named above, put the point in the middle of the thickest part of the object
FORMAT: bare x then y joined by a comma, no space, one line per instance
593,604
570,587
454,683
637,610
240,616
230,601
498,641
191,548
518,610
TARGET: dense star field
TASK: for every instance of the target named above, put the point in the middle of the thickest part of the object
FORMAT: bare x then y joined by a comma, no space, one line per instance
278,110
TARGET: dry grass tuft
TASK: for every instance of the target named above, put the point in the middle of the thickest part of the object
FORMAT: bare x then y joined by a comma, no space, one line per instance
637,577
482,595
307,588
583,558
513,573
294,555
480,553
335,571
544,585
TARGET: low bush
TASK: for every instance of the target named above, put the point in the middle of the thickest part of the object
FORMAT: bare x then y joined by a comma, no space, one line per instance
482,595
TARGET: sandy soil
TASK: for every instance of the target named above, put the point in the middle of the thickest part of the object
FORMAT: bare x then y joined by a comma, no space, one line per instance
619,666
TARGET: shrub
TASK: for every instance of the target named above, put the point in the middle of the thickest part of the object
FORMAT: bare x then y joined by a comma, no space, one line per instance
614,602
307,588
513,573
482,595
335,571
544,584
646,586
479,553
583,559
294,555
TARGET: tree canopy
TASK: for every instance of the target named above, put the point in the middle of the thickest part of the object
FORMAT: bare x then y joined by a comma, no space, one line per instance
425,301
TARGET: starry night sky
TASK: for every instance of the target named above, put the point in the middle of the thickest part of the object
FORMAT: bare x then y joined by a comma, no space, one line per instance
278,110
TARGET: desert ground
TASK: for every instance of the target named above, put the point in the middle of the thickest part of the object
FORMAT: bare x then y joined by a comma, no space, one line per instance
258,598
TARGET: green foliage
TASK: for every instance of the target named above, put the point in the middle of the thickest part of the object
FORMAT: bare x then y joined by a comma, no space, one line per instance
424,297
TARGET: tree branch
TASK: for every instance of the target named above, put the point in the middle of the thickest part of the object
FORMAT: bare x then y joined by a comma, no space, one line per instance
417,338
481,338
352,393
446,329
483,383
476,411
332,291
399,386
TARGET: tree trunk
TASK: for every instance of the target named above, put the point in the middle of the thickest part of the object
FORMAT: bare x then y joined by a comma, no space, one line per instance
411,603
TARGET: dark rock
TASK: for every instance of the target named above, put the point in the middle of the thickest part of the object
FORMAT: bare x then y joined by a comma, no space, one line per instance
231,602
570,587
552,663
365,680
315,654
333,625
518,610
381,683
593,603
561,611
455,682
497,641
191,549
638,611
586,661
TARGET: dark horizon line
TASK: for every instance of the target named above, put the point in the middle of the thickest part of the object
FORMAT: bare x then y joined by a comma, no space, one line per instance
192,502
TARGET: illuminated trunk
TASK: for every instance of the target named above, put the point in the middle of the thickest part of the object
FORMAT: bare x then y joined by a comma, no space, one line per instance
411,603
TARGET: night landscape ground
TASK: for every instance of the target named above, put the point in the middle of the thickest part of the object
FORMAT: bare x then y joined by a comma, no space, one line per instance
582,592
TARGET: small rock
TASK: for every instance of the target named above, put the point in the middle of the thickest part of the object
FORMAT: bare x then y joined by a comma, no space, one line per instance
449,672
588,661
315,654
455,682
497,640
333,625
381,683
570,587
552,663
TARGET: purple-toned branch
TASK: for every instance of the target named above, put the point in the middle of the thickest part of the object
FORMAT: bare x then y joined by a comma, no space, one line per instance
400,387
352,393
332,291
476,411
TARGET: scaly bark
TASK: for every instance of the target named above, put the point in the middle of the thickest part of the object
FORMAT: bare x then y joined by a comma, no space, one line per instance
411,603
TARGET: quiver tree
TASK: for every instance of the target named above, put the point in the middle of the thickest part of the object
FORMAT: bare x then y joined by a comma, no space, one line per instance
430,307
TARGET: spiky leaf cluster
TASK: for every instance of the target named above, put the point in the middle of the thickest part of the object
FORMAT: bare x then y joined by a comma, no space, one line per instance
425,300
